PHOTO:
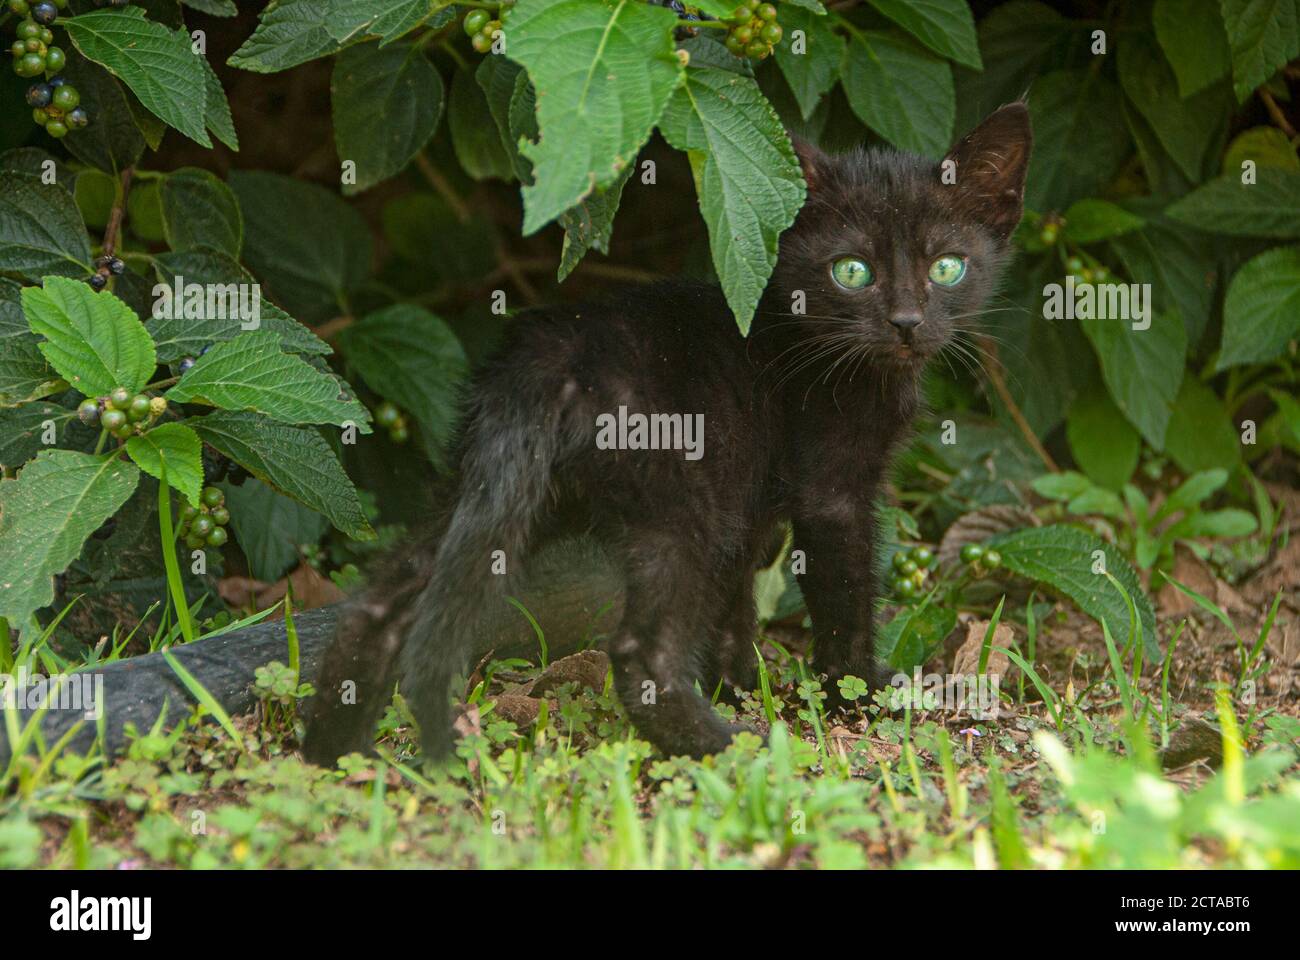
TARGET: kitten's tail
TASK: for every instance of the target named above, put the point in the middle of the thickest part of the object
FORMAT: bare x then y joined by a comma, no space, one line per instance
424,623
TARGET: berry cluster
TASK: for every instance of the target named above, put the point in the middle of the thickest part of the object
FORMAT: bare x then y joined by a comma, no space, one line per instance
391,419
911,569
55,103
1085,274
479,27
122,413
983,560
205,525
104,266
754,30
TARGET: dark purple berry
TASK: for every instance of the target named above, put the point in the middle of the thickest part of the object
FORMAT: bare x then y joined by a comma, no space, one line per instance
39,95
78,118
44,13
185,364
98,281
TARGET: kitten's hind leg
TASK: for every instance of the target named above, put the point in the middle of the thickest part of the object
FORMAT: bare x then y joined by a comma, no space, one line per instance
656,650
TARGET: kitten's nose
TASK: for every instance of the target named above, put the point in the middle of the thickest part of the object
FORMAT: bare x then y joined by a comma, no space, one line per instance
906,321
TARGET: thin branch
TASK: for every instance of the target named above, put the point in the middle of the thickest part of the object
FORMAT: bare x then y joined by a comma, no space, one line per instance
440,184
117,214
1274,111
994,369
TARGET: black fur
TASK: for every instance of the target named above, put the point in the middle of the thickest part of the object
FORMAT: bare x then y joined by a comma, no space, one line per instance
800,420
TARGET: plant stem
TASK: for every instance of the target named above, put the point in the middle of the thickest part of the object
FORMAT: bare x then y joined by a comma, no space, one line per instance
118,213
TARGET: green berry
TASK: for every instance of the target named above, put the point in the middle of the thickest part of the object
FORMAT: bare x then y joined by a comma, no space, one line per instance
481,43
1049,233
1073,265
918,578
29,65
18,48
766,11
212,497
771,33
158,406
971,552
757,50
19,7
194,542
399,434
111,420
740,14
202,525
217,537
734,45
744,35
41,116
188,512
139,407
55,59
991,559
908,568
475,21
220,516
125,432
66,97
906,588
88,411
386,415
922,556
120,397
900,558
34,46
28,30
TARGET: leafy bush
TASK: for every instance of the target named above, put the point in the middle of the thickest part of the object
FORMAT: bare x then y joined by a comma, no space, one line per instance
1164,157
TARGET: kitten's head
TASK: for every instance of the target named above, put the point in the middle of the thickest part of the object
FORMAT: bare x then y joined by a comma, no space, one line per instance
893,251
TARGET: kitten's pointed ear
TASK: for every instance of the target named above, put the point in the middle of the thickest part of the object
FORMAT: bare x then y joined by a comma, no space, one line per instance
988,168
812,160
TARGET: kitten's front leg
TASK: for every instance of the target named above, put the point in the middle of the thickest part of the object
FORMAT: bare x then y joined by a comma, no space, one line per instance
837,535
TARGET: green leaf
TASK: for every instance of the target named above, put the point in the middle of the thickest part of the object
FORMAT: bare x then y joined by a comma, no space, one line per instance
41,231
423,229
409,356
112,142
58,500
1180,269
590,224
22,429
1192,492
1265,146
93,340
1104,444
157,64
199,210
294,460
251,373
603,72
1261,311
900,90
1192,37
477,144
288,33
387,103
216,108
1231,522
214,8
177,446
1187,129
1017,41
747,178
813,72
186,332
25,374
497,77
1142,368
1062,486
1062,557
1074,155
1262,36
945,26
1201,435
271,528
309,247
1089,221
1270,207
915,633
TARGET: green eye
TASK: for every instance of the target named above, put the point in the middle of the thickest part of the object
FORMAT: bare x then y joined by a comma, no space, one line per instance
852,273
948,270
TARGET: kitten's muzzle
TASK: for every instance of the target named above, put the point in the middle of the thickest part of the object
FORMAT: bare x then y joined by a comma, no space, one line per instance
906,322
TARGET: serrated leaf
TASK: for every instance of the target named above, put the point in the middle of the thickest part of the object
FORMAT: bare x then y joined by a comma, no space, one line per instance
250,372
113,141
1142,368
1062,557
590,225
1074,155
900,90
1269,207
307,246
1262,36
1192,37
748,180
1265,146
58,500
25,374
199,210
386,104
179,448
603,72
812,73
945,26
409,356
187,332
94,340
1180,269
271,528
1261,311
498,77
288,33
294,460
1201,435
41,231
21,430
216,108
214,8
1090,220
915,633
156,63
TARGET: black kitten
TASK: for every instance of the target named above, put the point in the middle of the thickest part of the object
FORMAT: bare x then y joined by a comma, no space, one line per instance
799,420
